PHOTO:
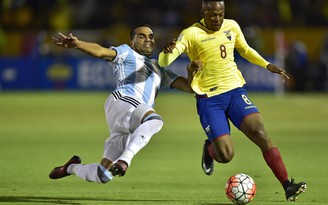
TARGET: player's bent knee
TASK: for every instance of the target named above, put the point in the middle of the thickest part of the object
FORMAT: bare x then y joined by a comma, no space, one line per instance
225,157
138,116
103,174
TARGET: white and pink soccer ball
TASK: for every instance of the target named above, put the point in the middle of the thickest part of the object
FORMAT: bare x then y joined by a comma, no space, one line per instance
240,189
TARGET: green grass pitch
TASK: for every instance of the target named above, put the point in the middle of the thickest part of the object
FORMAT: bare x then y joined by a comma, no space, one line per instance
40,130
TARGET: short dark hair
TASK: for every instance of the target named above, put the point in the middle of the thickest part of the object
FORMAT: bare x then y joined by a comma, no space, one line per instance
132,32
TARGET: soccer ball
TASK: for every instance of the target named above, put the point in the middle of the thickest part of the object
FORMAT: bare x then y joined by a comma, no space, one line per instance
240,189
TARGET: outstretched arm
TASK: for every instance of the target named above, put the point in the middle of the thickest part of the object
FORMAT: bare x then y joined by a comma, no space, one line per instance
254,57
92,49
182,83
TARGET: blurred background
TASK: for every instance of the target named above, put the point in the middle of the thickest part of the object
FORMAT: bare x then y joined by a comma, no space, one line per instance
290,33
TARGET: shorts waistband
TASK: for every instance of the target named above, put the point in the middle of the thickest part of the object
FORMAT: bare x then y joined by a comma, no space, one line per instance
201,96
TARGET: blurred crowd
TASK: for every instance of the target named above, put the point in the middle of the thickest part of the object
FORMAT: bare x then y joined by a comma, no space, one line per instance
97,14
27,24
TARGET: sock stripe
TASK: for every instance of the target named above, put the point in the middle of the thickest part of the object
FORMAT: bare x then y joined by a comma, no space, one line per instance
152,116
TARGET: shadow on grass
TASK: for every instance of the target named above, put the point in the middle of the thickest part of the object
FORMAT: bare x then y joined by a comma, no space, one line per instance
39,199
216,204
79,200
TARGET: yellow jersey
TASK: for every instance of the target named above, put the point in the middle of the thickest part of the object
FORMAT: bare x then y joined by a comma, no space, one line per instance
216,50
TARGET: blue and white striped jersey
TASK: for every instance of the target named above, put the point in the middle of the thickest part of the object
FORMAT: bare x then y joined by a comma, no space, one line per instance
138,76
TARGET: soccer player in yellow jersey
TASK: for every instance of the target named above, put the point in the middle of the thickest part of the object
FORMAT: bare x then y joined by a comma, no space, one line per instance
219,90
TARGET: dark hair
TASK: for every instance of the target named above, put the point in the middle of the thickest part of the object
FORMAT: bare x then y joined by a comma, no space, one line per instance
132,32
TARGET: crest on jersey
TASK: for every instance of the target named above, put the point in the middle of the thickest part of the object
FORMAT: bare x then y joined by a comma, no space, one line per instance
228,34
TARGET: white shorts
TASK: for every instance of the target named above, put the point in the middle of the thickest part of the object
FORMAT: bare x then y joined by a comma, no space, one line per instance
119,110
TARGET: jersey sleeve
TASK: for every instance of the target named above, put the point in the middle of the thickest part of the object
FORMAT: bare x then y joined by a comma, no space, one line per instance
168,77
165,59
121,53
246,51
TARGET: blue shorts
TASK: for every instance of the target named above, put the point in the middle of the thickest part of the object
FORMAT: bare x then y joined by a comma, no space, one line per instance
216,111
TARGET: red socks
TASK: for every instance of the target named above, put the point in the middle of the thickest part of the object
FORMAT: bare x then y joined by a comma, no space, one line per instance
274,161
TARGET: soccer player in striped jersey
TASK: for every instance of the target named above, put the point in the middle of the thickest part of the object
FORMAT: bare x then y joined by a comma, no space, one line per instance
129,110
219,90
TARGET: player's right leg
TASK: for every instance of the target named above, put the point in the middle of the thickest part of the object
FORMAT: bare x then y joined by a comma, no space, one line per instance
207,161
61,171
213,119
100,172
220,150
90,172
94,172
223,149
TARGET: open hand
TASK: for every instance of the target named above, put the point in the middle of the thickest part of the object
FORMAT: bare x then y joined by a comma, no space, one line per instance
275,69
65,41
195,66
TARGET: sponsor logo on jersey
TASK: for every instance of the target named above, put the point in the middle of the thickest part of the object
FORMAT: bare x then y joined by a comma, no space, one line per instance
208,39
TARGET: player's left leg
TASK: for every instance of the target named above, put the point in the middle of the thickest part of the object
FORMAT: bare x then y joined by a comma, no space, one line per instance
250,122
144,124
137,140
253,128
292,189
246,117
